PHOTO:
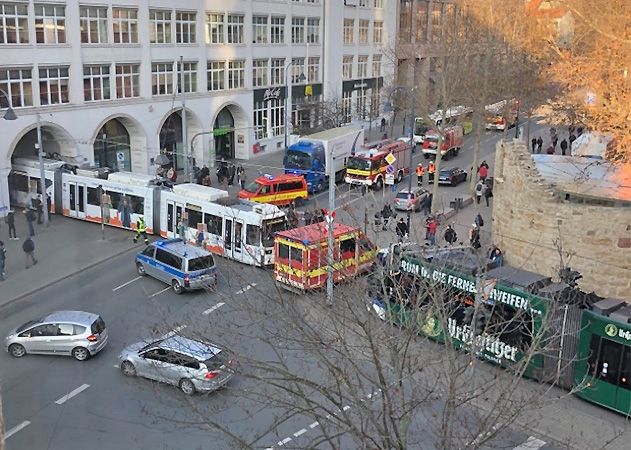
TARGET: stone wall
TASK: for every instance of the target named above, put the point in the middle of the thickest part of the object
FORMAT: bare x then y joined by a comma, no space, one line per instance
532,219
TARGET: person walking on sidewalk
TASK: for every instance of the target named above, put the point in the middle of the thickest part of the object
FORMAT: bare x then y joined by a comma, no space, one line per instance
382,126
483,171
563,147
141,228
3,260
533,142
29,251
450,235
10,220
474,237
479,191
402,229
431,169
420,170
30,219
539,144
431,227
49,204
488,192
37,206
479,221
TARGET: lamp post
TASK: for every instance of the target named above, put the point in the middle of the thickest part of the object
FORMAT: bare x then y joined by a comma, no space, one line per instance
288,85
8,115
42,175
387,108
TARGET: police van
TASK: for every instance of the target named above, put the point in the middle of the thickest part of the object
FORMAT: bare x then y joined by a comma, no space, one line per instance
181,265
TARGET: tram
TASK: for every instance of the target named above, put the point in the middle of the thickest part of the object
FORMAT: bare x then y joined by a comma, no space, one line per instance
237,229
582,342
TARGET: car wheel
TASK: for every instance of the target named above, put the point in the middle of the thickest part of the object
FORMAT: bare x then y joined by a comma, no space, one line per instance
187,387
426,155
456,151
141,269
378,184
319,187
177,287
80,353
17,350
128,369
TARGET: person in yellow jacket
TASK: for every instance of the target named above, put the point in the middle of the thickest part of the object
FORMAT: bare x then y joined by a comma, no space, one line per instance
420,171
431,169
141,228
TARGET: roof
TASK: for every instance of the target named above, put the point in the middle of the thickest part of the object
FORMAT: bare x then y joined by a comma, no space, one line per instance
268,179
82,317
317,232
586,177
332,133
179,247
196,349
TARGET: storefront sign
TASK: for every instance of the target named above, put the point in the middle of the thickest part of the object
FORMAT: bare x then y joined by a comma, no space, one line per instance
271,94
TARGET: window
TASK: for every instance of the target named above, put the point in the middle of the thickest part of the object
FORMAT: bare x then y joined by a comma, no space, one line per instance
125,25
185,27
216,75
160,27
201,263
162,78
127,80
93,25
13,23
259,72
347,245
290,186
277,34
313,70
149,251
269,114
436,19
297,69
278,72
604,361
259,29
347,67
235,29
283,251
169,259
50,24
313,30
189,77
18,84
252,235
295,254
363,31
96,83
361,110
376,65
193,216
214,28
346,106
421,21
236,74
378,3
349,25
363,3
362,66
377,36
66,329
53,85
214,224
298,30
42,331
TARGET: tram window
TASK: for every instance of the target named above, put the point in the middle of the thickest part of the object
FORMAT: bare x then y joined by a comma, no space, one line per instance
93,197
283,251
115,197
296,254
252,235
607,360
625,369
347,245
19,182
194,217
238,232
137,204
213,224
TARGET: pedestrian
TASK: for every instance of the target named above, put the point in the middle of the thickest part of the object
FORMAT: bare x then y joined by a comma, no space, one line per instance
402,229
38,207
483,171
431,228
382,128
539,144
474,236
141,229
181,230
563,147
533,142
30,219
29,251
550,150
420,170
479,191
450,235
318,216
488,193
555,141
49,206
10,220
386,213
479,221
496,258
426,203
231,172
242,177
199,238
308,216
431,169
206,181
3,260
172,174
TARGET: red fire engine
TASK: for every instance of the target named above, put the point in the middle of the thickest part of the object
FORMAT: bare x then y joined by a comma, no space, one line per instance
450,145
370,167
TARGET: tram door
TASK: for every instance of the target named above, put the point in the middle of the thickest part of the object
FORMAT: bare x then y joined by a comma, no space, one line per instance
77,199
174,215
227,238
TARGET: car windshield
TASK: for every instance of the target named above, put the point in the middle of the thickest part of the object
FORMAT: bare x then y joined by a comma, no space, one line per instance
271,227
431,138
447,173
28,324
297,160
358,163
253,187
403,195
201,263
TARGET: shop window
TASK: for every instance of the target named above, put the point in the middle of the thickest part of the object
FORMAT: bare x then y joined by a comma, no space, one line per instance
19,182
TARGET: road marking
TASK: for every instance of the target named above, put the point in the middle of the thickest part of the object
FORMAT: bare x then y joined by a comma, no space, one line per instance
160,292
300,432
314,424
531,444
212,308
116,366
245,289
173,332
126,284
284,441
16,428
71,394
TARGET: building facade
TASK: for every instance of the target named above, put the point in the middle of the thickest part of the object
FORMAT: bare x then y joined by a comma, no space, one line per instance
110,81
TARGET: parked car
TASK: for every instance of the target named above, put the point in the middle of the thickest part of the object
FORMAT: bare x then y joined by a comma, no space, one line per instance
183,266
77,333
452,177
192,365
406,201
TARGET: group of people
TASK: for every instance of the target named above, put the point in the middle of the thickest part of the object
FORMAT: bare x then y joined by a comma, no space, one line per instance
420,171
564,145
484,186
226,172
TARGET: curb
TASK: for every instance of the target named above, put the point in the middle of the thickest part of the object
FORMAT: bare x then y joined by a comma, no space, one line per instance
63,277
452,212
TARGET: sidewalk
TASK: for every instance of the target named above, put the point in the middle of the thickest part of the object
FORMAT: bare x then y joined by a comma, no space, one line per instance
65,248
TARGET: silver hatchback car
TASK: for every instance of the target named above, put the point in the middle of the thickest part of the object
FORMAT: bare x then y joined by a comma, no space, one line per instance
192,365
77,333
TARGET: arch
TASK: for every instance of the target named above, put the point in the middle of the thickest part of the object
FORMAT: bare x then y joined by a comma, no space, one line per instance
133,148
56,140
170,136
226,146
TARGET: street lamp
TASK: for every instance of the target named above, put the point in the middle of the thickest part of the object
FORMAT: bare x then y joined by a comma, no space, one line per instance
387,108
8,115
301,79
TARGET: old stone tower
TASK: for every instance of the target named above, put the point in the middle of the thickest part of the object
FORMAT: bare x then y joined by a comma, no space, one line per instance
551,210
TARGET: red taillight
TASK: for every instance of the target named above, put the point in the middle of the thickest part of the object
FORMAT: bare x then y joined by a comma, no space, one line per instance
93,338
211,375
187,280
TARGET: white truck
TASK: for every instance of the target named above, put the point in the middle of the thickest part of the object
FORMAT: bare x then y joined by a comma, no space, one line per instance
322,155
